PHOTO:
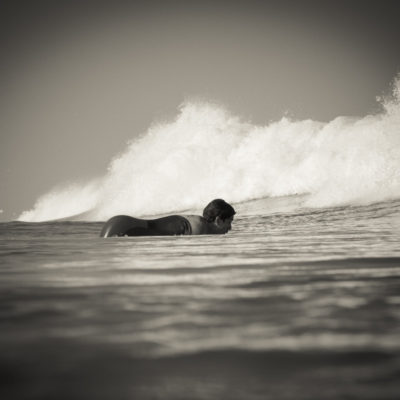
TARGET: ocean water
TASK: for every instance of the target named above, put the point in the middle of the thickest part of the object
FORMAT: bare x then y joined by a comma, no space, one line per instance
299,301
294,303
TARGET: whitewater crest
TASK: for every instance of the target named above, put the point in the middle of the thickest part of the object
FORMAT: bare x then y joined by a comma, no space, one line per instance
206,153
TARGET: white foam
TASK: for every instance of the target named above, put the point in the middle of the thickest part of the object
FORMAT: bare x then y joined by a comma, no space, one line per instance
206,152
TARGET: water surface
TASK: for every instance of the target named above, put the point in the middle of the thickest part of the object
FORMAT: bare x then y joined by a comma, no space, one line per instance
297,304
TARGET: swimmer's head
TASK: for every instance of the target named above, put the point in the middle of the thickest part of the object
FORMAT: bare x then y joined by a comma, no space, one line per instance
221,213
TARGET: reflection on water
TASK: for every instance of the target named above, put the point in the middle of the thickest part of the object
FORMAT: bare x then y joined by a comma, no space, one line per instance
309,295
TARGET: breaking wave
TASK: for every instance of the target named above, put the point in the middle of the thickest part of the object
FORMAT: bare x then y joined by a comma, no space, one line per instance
206,152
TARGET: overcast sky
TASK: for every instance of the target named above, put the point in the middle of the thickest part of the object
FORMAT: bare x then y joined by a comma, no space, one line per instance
79,79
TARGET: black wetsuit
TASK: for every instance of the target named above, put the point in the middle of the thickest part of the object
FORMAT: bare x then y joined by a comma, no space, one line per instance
123,225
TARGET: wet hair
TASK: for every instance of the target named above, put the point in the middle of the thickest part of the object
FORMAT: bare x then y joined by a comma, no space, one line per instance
218,208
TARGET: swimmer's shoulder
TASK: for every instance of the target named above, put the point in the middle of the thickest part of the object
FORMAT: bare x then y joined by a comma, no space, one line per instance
199,224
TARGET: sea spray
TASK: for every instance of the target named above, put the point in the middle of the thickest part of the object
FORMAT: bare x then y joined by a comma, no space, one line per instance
63,201
206,152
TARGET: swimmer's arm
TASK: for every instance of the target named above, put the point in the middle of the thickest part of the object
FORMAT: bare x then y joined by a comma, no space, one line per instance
199,224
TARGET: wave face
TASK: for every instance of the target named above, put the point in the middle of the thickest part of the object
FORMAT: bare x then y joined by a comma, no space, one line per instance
206,152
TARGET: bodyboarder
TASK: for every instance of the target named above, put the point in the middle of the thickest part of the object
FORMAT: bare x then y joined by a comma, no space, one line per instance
217,219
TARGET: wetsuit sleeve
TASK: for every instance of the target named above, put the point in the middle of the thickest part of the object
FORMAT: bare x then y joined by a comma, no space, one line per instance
171,225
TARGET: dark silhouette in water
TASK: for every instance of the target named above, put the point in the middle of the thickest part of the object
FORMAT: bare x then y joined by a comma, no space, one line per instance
217,219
